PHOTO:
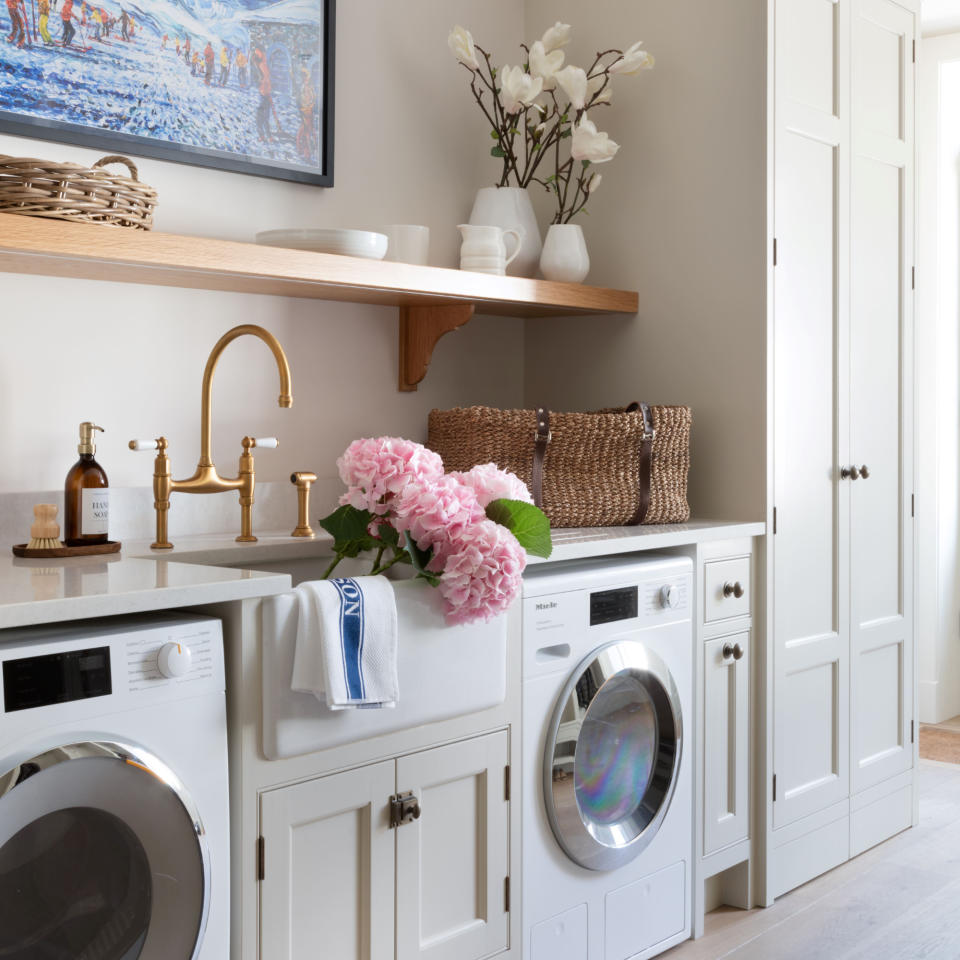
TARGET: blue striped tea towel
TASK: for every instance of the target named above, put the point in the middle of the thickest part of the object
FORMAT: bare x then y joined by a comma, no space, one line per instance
346,653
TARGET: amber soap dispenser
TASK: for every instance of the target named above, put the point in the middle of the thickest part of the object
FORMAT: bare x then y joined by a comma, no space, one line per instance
86,497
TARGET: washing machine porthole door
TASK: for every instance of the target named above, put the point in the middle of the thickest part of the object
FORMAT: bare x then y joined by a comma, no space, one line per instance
612,755
102,854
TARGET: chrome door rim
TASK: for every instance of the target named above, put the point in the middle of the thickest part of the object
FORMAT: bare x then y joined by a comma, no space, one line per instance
139,758
594,846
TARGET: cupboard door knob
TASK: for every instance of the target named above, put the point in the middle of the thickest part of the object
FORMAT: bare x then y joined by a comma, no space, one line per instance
850,473
864,472
732,650
733,589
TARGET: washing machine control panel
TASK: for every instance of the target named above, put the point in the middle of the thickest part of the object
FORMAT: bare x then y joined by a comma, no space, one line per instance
609,606
182,653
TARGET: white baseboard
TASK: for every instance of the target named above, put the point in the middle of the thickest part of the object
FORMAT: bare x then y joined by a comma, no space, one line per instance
928,701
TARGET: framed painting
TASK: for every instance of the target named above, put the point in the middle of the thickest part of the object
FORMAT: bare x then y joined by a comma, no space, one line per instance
241,85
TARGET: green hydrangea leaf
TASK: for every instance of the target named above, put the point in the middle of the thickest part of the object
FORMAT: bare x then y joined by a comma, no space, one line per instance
529,524
347,523
420,558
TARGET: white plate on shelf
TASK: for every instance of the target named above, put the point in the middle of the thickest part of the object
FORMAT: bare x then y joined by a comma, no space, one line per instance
347,243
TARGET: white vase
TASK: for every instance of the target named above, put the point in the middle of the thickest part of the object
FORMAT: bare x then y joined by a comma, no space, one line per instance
511,209
565,256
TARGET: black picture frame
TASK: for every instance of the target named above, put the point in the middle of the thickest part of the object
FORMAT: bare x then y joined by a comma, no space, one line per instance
115,142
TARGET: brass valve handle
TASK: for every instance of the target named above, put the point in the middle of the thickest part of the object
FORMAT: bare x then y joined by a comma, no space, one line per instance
303,480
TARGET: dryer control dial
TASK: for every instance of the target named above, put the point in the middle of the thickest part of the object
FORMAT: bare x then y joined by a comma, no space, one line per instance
174,659
669,597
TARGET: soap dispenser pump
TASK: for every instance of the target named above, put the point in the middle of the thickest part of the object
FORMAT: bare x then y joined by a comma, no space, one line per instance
86,497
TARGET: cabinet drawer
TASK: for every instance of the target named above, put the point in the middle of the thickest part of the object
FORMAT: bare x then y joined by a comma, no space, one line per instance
723,580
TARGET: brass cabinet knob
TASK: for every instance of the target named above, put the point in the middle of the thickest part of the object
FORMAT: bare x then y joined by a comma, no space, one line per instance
732,650
864,472
733,589
850,473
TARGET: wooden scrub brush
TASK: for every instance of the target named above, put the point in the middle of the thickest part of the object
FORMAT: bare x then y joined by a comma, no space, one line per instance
45,531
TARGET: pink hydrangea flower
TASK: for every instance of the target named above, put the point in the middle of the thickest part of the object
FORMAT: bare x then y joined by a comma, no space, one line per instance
482,574
435,513
491,483
375,470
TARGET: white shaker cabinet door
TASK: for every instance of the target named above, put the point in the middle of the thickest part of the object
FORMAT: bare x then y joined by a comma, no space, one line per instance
452,862
881,527
327,889
811,544
726,743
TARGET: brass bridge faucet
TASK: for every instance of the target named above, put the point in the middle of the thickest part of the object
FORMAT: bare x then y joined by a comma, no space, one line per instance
206,479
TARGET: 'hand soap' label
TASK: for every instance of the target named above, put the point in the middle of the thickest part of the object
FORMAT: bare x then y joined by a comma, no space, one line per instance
95,511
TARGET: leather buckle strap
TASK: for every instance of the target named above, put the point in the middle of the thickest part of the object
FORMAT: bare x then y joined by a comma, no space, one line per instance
541,439
646,459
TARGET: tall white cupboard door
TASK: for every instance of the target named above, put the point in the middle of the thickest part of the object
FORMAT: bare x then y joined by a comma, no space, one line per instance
327,888
452,862
726,743
881,332
810,547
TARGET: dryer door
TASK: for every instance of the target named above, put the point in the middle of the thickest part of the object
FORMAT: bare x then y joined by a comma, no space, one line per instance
612,755
102,856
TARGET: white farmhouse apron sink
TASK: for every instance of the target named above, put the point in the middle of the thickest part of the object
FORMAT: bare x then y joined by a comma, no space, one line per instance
443,671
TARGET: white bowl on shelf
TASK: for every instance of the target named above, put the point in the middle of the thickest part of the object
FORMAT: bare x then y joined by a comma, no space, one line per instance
347,243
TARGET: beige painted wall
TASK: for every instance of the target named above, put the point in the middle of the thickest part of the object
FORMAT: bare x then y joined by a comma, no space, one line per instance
680,217
131,358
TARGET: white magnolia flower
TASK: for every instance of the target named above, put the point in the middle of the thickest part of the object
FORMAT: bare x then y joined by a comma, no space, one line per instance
594,84
633,61
589,144
573,82
557,36
594,182
545,65
461,46
518,88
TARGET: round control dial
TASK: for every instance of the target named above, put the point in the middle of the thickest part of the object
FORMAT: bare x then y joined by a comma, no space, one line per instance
173,660
670,597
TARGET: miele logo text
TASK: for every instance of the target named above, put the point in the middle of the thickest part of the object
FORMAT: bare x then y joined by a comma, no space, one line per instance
549,605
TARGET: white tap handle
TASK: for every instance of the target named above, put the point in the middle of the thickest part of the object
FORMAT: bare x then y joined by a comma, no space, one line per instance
142,444
268,443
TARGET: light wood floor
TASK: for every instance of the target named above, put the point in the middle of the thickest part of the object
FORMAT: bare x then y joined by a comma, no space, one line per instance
898,901
952,724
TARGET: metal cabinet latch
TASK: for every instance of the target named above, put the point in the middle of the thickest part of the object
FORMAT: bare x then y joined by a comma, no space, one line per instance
404,808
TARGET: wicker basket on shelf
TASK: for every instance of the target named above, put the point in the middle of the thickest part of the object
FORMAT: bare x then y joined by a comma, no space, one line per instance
69,191
613,467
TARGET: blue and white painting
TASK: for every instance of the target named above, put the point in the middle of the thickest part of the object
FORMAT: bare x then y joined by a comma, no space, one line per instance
238,84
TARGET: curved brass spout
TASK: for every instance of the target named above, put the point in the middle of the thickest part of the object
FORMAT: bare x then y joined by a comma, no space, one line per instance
286,391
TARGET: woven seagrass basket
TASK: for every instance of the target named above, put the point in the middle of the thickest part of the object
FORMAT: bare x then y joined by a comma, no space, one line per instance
591,475
69,191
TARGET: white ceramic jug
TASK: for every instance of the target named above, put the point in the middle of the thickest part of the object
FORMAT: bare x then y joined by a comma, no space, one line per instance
510,208
484,249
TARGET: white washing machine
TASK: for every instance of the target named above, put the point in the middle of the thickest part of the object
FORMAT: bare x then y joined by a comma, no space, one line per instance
114,815
607,798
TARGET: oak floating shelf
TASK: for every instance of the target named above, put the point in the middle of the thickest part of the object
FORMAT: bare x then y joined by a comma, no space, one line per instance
432,300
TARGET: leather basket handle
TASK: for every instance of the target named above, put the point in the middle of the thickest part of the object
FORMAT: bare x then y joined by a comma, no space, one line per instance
541,440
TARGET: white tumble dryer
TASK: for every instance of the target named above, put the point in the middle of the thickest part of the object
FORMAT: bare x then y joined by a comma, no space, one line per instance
114,827
607,798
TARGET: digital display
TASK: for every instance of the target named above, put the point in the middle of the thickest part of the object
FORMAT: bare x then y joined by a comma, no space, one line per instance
56,678
610,605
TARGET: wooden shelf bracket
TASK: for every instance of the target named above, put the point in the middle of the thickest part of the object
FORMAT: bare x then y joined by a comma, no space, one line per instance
420,329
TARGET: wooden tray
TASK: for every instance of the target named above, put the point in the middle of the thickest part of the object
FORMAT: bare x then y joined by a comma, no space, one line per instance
56,553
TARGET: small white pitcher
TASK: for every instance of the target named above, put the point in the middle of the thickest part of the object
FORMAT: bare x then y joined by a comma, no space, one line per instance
484,249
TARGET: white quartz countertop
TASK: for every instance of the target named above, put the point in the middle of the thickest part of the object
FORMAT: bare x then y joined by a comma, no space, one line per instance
215,568
568,544
52,591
